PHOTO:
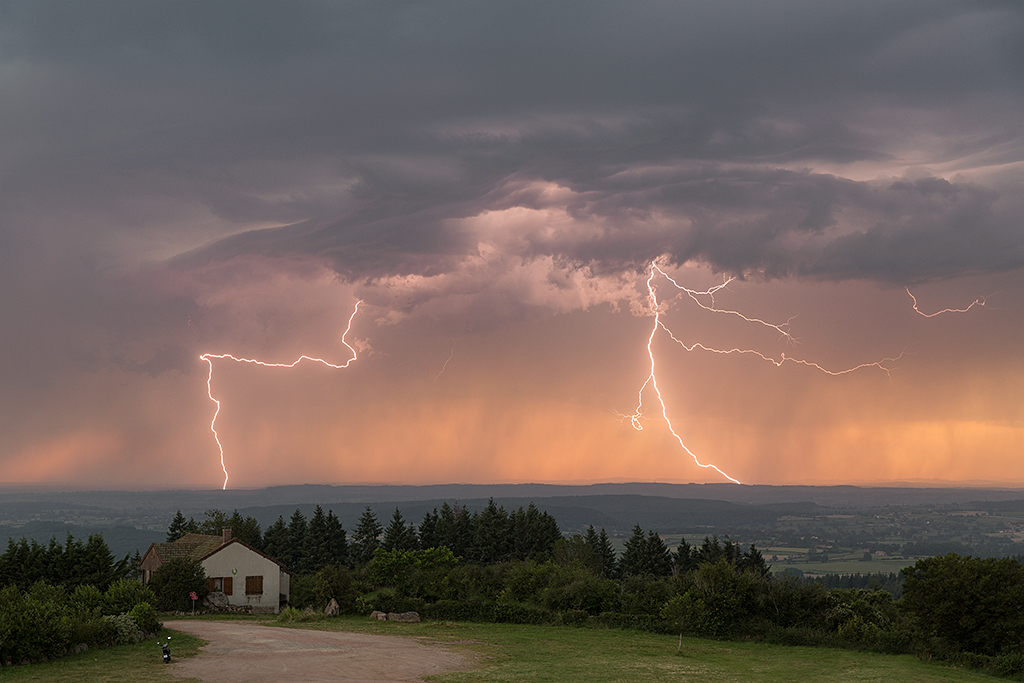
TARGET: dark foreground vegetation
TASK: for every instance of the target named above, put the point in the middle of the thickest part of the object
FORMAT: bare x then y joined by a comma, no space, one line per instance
501,567
61,599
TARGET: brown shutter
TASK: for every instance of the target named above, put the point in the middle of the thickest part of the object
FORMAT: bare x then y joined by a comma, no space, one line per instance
210,585
228,585
253,585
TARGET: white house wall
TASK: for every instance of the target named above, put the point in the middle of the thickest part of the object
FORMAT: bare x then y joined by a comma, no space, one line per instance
238,562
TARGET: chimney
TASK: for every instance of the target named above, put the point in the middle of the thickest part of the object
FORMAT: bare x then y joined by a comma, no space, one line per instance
225,534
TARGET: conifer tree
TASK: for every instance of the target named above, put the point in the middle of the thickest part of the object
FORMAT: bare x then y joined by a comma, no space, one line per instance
399,536
296,540
428,537
365,538
632,561
177,528
337,543
607,552
275,540
315,548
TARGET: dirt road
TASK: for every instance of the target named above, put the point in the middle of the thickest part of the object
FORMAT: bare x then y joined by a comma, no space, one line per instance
246,652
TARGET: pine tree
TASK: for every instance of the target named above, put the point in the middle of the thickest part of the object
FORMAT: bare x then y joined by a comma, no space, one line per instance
337,543
399,536
176,529
246,530
365,538
428,537
607,552
491,535
684,558
658,559
275,540
315,549
632,562
296,540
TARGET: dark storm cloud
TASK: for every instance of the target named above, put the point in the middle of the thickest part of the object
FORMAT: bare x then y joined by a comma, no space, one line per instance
706,131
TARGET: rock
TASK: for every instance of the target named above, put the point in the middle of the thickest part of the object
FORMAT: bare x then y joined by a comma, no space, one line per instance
379,616
217,600
408,617
332,608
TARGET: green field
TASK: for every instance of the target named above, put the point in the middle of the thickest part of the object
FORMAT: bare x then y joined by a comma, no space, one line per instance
543,653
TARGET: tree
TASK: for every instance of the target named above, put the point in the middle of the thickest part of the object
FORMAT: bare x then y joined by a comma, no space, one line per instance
365,538
632,561
315,548
275,540
428,531
175,580
214,523
491,535
337,543
246,530
399,536
974,605
177,527
296,540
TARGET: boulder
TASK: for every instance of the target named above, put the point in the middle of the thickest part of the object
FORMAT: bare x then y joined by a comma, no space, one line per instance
332,609
379,616
408,617
217,600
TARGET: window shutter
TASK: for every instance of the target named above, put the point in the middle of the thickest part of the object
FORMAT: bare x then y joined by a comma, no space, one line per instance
228,585
211,586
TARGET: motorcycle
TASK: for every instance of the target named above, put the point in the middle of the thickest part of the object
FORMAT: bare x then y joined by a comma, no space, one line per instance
167,650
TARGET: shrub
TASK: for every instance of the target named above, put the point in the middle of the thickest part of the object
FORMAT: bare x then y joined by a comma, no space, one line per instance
145,617
124,594
126,631
86,603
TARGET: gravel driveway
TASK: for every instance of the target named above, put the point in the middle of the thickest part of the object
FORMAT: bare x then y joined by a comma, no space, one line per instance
247,652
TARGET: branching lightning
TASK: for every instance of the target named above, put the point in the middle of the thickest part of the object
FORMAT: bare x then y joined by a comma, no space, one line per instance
698,298
980,301
208,357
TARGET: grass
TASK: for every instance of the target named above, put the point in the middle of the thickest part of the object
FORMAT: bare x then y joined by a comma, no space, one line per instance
507,653
138,663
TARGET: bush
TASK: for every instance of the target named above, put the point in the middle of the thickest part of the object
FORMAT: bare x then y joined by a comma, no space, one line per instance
86,603
145,617
124,594
126,631
33,625
95,632
1011,664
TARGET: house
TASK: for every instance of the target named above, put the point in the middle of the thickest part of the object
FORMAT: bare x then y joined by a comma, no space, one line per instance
243,574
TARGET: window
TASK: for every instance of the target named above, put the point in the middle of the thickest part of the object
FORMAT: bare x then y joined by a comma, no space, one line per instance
253,585
221,584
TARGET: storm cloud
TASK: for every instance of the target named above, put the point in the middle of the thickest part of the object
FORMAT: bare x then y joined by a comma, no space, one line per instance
168,166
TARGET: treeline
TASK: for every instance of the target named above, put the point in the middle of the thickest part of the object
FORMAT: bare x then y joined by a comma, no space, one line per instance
70,565
489,536
61,598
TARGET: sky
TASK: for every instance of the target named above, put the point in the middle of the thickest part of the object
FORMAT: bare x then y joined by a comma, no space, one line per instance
526,198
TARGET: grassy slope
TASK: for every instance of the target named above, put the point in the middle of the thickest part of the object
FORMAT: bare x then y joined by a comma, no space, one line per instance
138,663
508,653
511,653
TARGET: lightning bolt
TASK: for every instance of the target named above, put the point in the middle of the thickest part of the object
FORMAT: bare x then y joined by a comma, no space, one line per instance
706,300
445,366
209,357
980,301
